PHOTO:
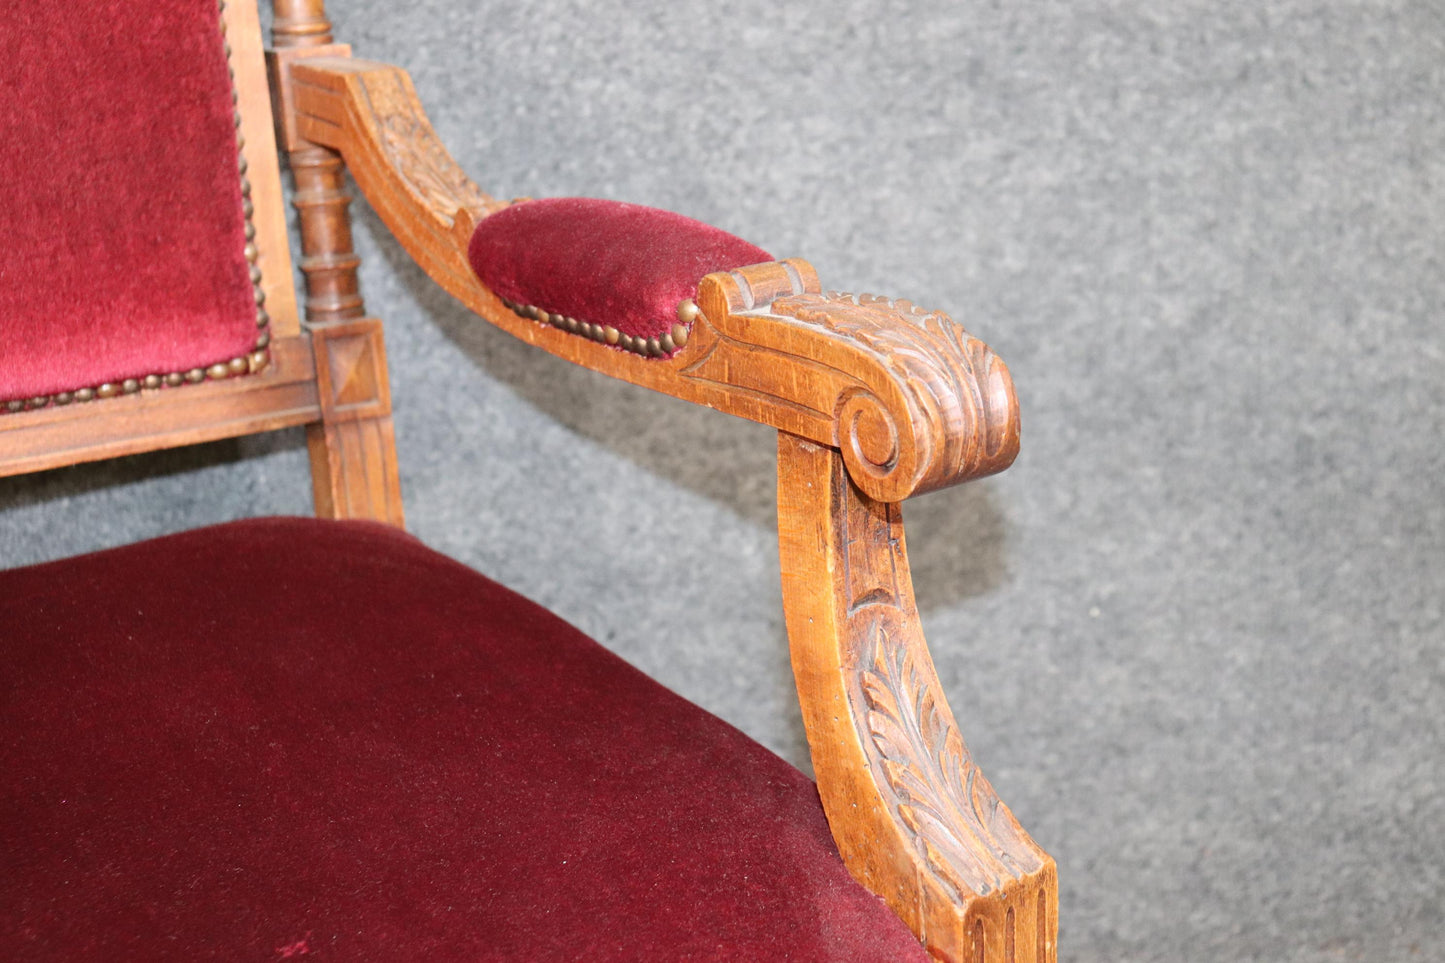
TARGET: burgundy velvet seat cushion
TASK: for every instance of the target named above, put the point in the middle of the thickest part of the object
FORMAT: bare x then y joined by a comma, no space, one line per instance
121,223
603,262
286,737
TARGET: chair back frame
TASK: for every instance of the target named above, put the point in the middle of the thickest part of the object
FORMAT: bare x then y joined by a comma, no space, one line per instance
329,376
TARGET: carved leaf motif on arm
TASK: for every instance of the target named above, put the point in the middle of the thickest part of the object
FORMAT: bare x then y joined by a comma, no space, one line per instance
418,155
939,793
959,388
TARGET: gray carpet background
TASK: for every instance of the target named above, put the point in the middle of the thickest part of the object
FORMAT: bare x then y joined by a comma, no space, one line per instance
1195,634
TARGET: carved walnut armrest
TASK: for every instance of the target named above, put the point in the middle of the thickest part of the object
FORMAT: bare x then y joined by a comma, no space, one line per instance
875,400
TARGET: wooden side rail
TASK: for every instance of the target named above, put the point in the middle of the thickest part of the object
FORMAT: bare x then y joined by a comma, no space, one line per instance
875,400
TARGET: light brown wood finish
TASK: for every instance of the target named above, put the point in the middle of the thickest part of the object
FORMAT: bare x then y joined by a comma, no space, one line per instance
914,818
275,395
897,389
280,396
875,400
353,449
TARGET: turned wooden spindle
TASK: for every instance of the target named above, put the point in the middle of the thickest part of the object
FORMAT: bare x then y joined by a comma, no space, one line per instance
328,259
300,23
353,450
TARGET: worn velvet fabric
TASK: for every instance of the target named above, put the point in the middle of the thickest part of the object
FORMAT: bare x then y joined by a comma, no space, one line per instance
120,199
288,735
605,262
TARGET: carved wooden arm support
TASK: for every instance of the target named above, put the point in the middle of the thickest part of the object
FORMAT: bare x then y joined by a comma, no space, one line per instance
910,398
875,400
914,818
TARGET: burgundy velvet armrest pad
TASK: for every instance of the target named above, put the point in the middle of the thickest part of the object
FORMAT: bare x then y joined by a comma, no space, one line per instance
607,263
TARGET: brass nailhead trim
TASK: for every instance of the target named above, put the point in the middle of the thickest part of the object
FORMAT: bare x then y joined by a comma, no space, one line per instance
606,334
248,363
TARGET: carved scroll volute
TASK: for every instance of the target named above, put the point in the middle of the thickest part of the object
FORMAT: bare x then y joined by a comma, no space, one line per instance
916,402
915,820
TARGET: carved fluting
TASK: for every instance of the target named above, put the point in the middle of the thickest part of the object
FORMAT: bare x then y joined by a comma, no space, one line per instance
967,839
947,415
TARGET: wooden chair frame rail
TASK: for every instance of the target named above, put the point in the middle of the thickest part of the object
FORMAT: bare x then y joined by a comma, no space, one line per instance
875,400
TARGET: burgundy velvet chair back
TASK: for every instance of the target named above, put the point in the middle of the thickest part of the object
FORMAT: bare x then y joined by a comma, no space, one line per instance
143,233
124,215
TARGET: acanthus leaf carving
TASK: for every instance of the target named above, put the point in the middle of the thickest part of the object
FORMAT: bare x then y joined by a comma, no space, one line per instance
968,840
959,418
418,155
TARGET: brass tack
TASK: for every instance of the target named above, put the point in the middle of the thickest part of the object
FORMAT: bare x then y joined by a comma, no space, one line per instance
572,324
679,334
39,401
626,341
262,318
235,97
226,47
611,334
174,378
264,339
237,365
687,311
152,381
242,165
218,370
223,23
667,343
245,187
236,117
251,252
255,274
247,208
64,398
258,360
250,231
130,386
85,394
653,346
508,305
107,390
260,296
195,375
14,405
240,140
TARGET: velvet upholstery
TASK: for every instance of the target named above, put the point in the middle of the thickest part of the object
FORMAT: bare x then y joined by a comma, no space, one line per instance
121,209
604,262
288,736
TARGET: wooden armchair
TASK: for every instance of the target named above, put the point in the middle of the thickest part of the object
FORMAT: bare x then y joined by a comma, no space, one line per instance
280,737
